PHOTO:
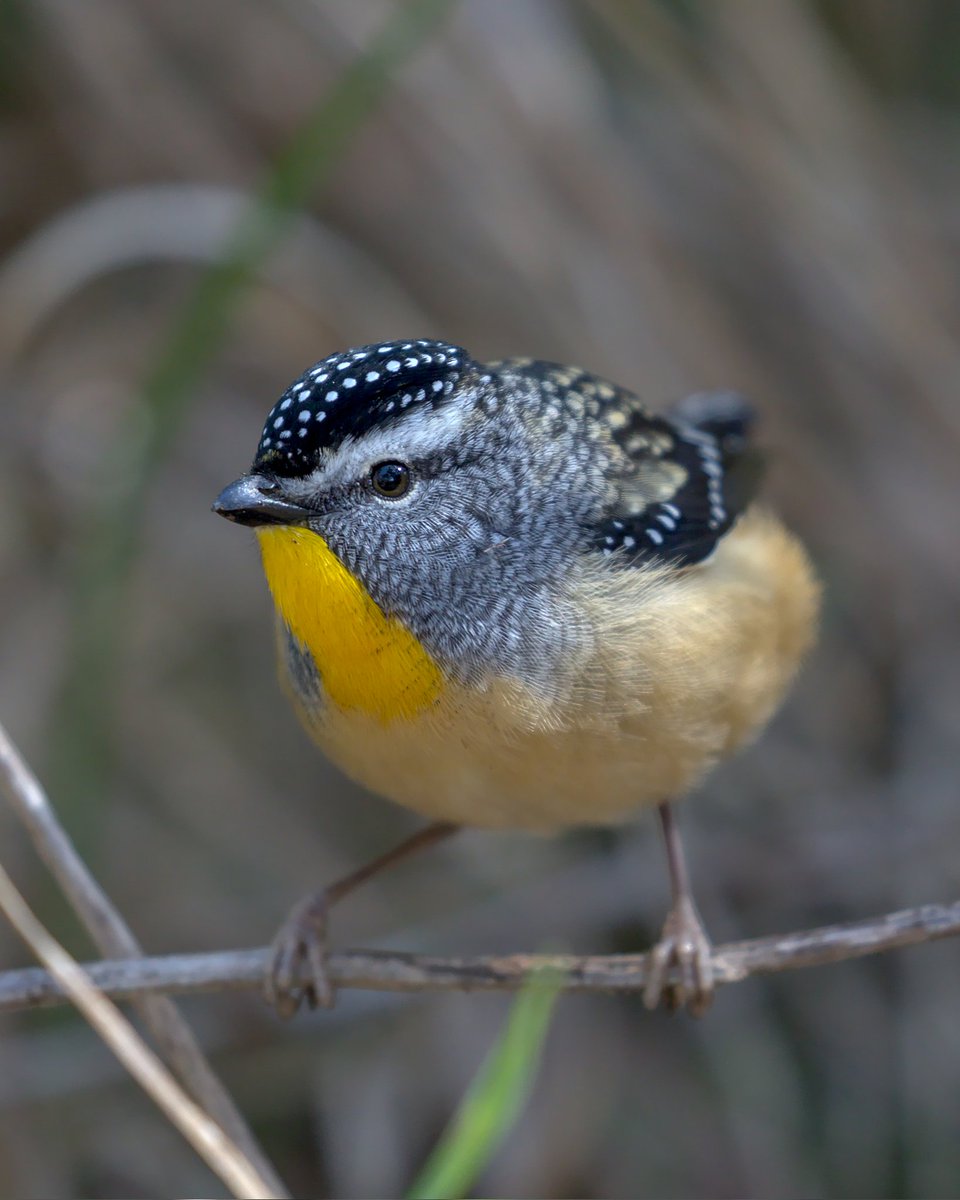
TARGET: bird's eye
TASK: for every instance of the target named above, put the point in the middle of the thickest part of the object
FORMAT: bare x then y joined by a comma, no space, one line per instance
390,479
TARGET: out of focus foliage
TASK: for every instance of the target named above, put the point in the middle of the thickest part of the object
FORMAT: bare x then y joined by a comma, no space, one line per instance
758,194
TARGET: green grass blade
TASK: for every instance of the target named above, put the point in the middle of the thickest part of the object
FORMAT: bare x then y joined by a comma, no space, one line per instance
496,1098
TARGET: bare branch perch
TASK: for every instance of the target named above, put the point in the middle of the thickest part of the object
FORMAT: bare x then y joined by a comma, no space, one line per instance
112,936
243,970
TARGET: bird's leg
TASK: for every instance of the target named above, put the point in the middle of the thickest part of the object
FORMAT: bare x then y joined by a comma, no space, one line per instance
683,943
300,947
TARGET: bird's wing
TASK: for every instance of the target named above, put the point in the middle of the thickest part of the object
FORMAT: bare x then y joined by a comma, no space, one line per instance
678,481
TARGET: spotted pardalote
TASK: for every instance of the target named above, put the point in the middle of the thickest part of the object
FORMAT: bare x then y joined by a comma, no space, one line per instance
509,595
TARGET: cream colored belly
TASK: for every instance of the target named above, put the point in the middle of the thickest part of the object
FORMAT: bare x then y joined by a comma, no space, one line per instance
683,669
525,781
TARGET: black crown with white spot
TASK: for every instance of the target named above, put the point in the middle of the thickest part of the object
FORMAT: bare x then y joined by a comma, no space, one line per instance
348,394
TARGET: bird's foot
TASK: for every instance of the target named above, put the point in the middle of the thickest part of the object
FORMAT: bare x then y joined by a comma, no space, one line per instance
297,969
685,949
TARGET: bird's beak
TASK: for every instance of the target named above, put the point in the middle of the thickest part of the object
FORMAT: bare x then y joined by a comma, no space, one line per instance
255,500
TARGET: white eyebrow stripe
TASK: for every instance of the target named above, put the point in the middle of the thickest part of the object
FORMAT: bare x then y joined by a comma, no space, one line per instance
418,432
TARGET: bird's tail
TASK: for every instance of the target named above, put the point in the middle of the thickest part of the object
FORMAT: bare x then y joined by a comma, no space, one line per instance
726,416
730,419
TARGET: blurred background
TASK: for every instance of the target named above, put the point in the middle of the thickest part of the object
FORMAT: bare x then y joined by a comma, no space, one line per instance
759,195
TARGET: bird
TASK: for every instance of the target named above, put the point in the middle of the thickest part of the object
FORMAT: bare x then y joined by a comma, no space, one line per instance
509,595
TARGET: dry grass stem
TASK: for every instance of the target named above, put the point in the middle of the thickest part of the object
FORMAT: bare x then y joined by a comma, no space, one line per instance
112,937
206,1137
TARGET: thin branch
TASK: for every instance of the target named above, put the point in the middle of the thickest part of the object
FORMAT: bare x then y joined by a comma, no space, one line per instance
114,939
203,1133
243,970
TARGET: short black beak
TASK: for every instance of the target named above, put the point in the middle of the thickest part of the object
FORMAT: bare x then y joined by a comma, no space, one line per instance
255,500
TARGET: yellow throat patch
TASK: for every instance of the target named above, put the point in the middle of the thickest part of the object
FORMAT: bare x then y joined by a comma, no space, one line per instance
367,660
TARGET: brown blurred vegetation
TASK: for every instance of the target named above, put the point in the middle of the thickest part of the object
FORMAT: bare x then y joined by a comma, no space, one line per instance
757,194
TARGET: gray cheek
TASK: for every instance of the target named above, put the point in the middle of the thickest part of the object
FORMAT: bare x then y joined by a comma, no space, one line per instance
398,547
473,566
455,524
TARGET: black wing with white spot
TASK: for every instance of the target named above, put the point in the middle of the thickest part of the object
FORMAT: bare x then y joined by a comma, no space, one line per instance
681,480
348,394
676,483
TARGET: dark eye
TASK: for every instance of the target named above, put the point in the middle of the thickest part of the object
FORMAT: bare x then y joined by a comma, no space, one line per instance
390,479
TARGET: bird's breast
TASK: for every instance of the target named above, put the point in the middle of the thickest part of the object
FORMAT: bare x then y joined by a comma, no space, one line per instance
368,662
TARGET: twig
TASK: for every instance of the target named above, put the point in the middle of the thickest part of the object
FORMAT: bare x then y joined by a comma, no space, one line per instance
114,939
206,1137
242,970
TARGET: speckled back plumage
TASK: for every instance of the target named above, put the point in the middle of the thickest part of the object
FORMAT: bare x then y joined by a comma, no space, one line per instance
667,495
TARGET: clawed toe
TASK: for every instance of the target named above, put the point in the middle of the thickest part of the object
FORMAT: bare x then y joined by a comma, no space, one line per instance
685,949
297,970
